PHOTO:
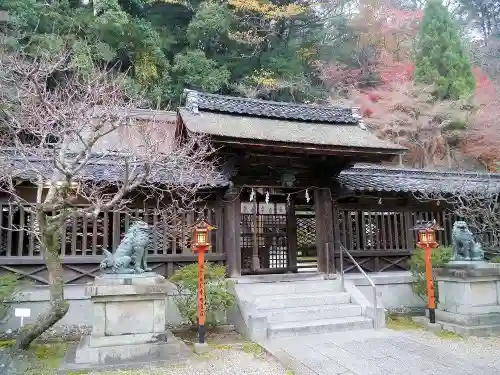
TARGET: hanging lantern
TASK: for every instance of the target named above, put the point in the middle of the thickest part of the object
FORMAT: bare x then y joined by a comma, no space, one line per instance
426,231
201,241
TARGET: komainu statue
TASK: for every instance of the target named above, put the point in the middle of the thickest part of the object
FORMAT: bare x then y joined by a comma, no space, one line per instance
463,245
131,255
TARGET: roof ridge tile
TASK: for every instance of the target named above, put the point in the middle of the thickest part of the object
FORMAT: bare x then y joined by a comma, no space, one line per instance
272,109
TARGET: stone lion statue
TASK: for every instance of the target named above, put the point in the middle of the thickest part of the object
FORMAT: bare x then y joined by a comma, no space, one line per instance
463,245
131,254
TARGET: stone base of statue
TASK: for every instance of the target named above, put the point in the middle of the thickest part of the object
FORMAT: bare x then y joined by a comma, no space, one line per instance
128,325
469,298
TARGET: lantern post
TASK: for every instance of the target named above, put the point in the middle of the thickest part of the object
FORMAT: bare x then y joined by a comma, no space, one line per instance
427,240
201,245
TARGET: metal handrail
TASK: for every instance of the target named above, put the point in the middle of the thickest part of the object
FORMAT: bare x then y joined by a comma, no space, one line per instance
342,250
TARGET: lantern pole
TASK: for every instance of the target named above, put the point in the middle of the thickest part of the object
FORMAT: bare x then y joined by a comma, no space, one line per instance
201,297
427,241
201,245
431,297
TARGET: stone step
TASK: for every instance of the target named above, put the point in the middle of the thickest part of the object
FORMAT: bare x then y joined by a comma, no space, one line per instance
273,278
279,288
301,300
310,327
294,314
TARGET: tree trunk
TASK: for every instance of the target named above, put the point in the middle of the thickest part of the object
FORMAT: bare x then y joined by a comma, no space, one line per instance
50,235
448,154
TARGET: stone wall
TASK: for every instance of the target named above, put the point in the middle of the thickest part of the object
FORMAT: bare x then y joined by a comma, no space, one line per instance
394,289
80,311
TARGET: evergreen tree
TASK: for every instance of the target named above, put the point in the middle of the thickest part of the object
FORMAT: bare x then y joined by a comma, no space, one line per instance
440,59
264,49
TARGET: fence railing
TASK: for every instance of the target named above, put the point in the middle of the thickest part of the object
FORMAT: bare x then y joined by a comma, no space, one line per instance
83,241
386,230
343,251
89,236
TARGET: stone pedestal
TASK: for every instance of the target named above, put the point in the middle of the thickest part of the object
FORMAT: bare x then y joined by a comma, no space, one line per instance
128,323
469,298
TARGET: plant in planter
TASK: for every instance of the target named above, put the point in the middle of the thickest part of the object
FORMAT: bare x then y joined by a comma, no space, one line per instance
217,297
440,256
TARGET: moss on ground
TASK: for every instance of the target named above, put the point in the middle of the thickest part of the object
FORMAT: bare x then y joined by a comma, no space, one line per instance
402,323
45,358
448,335
252,348
39,359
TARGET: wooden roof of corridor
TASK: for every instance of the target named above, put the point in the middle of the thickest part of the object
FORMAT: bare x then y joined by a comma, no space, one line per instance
376,178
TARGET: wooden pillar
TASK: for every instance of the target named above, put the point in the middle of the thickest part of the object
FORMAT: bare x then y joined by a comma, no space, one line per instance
324,227
335,247
219,224
408,224
231,222
291,232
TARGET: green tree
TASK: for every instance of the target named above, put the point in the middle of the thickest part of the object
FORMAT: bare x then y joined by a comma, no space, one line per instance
248,47
440,58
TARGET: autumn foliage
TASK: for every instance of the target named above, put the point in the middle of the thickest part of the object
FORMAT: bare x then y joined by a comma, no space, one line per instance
396,108
483,136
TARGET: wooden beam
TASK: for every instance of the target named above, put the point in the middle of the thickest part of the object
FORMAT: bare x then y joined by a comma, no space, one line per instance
26,260
324,226
305,148
291,230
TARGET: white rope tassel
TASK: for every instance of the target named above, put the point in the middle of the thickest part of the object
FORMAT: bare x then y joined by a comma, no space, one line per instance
308,198
252,195
267,197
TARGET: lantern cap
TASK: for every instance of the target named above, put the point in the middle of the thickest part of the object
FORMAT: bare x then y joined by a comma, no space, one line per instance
426,225
203,224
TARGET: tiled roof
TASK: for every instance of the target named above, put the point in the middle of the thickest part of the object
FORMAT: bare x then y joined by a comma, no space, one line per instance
275,130
106,170
270,109
104,167
158,125
415,180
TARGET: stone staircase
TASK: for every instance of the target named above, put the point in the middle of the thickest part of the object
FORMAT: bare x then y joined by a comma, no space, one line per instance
293,305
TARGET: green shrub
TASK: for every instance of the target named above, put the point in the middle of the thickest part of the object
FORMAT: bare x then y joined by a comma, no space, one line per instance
440,256
10,286
495,259
217,297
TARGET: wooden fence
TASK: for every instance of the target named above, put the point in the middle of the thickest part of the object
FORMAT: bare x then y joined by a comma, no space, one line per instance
379,239
83,241
383,240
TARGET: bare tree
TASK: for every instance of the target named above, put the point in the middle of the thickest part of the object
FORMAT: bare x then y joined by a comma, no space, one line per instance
473,197
74,137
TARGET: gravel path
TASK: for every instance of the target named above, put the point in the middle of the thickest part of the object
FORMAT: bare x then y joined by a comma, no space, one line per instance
484,349
227,361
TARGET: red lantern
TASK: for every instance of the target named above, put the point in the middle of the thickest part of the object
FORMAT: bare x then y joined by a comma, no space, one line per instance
427,241
427,238
201,245
201,237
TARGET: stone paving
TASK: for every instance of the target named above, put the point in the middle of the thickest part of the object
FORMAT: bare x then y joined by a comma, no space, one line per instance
382,352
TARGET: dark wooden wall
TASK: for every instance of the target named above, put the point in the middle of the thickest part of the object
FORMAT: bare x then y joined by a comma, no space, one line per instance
83,242
377,230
